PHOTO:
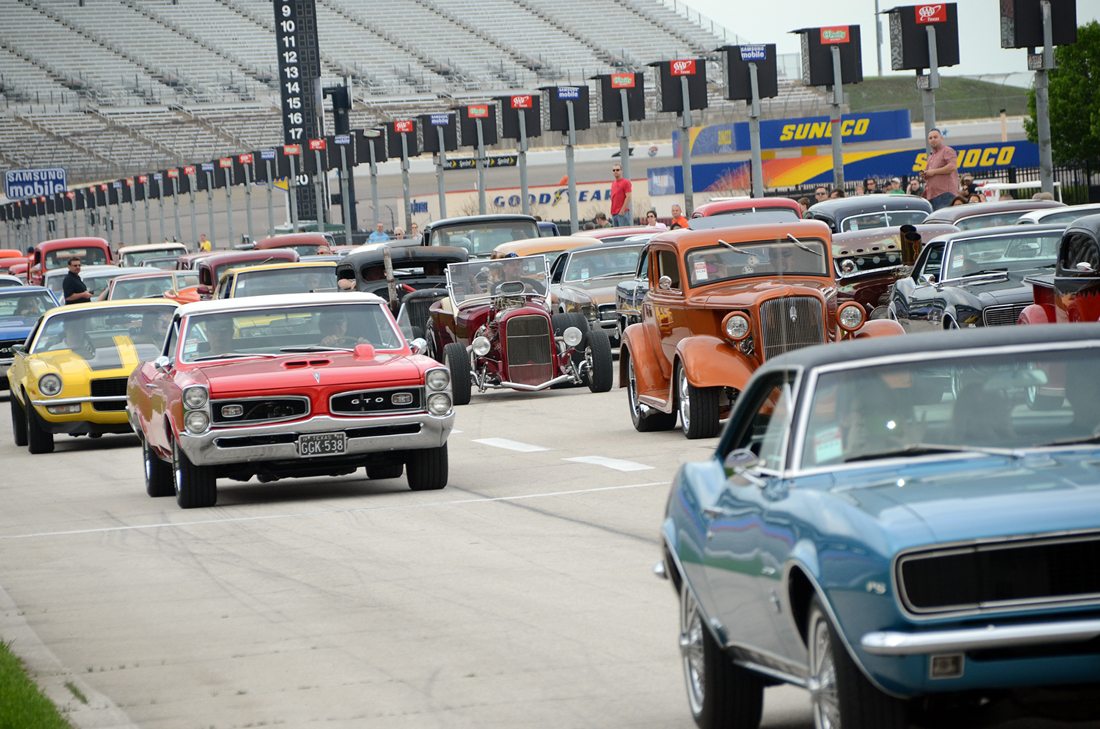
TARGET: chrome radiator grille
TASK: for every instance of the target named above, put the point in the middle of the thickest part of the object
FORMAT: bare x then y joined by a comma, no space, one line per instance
997,316
789,323
999,576
528,342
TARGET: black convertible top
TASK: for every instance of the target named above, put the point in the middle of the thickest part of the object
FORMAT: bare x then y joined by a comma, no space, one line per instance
832,211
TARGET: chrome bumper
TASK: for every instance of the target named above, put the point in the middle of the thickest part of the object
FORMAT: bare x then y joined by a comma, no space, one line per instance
537,388
205,450
78,400
893,643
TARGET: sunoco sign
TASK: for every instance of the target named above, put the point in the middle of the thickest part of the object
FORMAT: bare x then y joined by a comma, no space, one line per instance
20,184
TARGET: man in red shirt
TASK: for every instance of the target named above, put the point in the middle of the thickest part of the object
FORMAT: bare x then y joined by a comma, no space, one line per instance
620,199
941,174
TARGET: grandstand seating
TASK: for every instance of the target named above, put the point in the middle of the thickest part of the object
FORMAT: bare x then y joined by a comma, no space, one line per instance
115,87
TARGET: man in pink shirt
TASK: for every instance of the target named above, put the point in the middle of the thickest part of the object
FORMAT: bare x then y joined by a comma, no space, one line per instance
620,199
941,174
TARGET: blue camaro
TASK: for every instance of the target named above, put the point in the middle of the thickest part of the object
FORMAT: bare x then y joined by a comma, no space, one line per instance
902,525
20,308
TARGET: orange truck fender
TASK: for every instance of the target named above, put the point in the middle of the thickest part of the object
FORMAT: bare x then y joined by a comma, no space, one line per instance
647,370
879,328
712,362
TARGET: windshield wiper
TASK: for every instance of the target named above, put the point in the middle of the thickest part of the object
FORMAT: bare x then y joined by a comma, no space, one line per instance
229,355
734,248
803,246
315,349
1083,440
922,449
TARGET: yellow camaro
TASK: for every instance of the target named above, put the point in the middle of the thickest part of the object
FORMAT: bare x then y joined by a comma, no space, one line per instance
70,377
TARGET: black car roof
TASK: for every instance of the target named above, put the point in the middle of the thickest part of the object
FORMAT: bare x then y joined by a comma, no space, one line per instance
938,342
467,219
1089,224
405,256
847,206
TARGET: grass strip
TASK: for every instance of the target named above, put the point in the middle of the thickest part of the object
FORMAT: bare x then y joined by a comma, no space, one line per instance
22,705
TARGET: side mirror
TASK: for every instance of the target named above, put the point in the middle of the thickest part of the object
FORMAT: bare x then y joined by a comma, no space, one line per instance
162,363
927,279
419,345
1084,266
664,283
740,462
19,348
203,291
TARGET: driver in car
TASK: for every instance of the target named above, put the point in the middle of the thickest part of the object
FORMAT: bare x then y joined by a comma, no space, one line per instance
74,337
512,270
219,335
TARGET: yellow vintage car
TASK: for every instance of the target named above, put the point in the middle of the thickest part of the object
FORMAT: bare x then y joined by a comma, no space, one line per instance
70,376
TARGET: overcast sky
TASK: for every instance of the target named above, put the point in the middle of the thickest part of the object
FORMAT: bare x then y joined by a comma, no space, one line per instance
979,28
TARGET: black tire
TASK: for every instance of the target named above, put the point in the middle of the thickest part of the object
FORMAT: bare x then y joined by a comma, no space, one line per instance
563,321
698,407
458,362
158,474
427,469
649,420
845,698
39,440
381,473
18,421
721,695
433,343
195,486
601,367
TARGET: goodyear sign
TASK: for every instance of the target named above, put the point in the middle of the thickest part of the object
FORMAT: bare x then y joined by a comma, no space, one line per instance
728,177
873,126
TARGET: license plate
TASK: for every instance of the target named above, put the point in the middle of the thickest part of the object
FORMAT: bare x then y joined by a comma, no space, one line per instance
322,444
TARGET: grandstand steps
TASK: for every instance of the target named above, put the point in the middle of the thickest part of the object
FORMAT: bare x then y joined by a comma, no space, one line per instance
699,48
134,134
63,146
233,141
515,55
601,52
148,12
55,79
154,72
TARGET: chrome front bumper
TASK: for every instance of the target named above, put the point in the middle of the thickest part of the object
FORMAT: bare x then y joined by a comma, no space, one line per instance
217,446
893,643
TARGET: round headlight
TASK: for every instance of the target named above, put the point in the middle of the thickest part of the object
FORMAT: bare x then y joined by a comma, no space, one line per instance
572,336
481,346
737,327
439,403
49,384
438,379
847,266
195,398
196,421
851,316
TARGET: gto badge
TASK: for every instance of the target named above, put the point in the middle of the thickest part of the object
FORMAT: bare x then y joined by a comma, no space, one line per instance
317,376
794,314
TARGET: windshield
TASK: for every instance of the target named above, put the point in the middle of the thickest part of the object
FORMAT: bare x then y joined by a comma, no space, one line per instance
164,264
758,258
756,216
602,264
480,280
884,219
220,270
103,337
59,258
146,287
24,310
1067,216
1005,253
282,330
285,281
136,258
479,239
992,401
95,280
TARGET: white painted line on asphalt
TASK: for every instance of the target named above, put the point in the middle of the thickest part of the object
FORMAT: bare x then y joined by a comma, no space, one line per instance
455,431
456,502
615,463
511,445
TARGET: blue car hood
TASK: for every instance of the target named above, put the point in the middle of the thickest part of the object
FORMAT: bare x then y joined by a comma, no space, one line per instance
989,497
16,332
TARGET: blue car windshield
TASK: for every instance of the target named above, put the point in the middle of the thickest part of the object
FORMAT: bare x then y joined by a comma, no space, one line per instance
998,401
24,309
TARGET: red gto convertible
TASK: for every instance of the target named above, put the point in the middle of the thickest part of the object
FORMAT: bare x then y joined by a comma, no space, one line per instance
296,385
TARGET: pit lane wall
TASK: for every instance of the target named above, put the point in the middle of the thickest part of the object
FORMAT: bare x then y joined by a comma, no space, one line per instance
733,177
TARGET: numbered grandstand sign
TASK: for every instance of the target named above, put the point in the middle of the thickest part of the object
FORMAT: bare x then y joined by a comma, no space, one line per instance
19,184
685,67
523,101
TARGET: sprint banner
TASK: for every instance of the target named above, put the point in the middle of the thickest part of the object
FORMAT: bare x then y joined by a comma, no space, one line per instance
874,126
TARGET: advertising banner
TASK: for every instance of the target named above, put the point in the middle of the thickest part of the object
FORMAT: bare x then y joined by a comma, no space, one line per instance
20,184
873,126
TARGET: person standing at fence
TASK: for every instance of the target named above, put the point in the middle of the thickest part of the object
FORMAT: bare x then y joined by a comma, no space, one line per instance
941,174
621,193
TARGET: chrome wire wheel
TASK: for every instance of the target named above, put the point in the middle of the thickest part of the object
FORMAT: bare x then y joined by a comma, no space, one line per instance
632,392
685,399
691,650
822,684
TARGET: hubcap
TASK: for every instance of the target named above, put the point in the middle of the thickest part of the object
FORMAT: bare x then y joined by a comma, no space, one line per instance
177,472
148,463
685,402
691,650
632,391
822,683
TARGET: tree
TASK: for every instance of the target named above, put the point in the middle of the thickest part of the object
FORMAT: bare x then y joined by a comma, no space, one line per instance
1074,100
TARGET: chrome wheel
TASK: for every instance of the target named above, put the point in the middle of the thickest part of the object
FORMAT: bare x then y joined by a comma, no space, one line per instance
822,684
632,392
177,470
685,399
691,650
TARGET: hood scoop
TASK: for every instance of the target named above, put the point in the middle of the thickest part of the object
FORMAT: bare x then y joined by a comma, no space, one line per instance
300,363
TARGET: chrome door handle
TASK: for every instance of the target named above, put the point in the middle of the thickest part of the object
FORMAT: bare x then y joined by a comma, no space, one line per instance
713,512
150,384
767,570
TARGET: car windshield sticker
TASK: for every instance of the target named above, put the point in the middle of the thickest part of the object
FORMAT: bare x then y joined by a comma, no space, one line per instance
957,261
828,444
700,270
584,274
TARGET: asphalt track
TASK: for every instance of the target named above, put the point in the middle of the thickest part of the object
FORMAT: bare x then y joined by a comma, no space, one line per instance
519,596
